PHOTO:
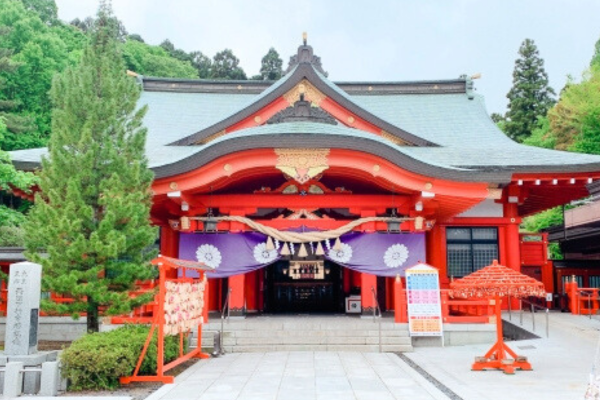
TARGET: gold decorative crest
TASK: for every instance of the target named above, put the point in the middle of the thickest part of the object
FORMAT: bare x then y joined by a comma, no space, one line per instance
302,164
393,139
311,93
211,137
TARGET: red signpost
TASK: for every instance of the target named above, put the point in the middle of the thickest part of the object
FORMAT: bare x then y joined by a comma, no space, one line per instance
180,307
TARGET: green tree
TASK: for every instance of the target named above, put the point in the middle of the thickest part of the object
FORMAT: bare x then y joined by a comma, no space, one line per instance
136,37
179,54
541,135
530,96
271,67
85,25
91,215
202,63
9,176
39,50
155,61
13,124
574,119
225,65
45,9
596,57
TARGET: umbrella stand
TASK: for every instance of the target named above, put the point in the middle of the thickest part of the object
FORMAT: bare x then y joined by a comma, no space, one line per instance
497,356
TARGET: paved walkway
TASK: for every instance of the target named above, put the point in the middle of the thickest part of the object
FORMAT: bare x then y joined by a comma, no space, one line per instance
300,376
561,363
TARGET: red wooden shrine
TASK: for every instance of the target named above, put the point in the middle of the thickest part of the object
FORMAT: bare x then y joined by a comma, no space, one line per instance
306,151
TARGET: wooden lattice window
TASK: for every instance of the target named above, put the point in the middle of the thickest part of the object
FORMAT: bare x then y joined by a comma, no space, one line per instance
470,249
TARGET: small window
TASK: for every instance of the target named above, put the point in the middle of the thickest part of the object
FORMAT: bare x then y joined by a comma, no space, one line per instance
470,249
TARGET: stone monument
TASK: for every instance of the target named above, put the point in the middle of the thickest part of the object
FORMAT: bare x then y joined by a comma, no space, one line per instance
21,336
23,309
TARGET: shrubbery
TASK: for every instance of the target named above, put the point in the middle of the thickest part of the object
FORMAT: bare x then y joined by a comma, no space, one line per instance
97,360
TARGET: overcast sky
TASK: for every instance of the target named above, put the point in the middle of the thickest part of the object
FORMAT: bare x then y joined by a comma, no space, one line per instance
377,40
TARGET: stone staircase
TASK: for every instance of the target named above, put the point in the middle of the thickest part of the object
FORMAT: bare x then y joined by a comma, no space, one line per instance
307,333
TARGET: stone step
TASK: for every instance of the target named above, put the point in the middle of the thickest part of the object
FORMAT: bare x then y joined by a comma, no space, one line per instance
316,347
307,333
358,340
298,333
367,324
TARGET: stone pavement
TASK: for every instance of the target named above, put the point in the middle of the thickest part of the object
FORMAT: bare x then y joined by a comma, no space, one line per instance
561,363
302,376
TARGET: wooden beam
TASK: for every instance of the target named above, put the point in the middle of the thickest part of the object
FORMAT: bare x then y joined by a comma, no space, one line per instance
298,201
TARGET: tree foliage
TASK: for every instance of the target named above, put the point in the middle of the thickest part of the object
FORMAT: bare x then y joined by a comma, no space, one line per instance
150,60
225,65
45,9
271,66
595,62
202,63
530,96
38,48
574,119
92,214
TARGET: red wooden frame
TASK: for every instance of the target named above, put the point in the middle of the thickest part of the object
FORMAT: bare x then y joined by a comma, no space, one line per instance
158,322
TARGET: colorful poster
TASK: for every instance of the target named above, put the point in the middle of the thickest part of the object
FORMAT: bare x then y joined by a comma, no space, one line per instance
423,300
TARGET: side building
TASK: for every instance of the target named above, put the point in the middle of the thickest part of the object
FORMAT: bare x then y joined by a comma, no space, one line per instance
579,240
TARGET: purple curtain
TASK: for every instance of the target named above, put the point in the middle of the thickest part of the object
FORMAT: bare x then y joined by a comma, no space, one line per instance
379,254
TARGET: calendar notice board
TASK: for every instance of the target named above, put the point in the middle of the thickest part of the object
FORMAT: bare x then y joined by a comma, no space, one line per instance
423,300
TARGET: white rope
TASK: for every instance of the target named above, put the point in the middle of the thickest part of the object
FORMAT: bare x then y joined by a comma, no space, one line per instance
301,237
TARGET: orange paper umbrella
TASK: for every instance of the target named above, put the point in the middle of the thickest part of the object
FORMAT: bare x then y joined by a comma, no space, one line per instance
498,281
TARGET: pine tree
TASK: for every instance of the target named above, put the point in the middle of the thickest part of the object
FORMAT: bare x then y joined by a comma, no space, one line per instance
530,96
271,67
91,216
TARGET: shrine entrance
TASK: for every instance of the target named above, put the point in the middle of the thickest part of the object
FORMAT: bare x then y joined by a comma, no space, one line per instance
303,287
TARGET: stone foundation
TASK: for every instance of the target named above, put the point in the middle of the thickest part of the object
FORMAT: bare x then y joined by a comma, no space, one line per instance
460,334
60,329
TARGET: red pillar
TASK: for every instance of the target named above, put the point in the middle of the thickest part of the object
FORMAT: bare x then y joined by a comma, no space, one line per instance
512,243
169,246
237,298
512,254
400,312
169,242
368,282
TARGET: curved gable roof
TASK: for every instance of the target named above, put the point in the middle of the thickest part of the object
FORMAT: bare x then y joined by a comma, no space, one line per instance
299,73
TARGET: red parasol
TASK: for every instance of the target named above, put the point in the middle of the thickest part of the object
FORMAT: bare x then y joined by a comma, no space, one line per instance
498,281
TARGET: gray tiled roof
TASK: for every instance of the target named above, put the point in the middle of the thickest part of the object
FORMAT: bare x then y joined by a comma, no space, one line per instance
467,139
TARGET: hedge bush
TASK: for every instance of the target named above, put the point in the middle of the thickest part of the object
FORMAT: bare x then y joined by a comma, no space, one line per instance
96,361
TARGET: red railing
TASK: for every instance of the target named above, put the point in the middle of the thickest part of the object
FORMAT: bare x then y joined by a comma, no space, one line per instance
454,311
582,300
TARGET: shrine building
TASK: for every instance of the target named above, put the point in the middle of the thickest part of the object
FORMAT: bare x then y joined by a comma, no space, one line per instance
308,195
